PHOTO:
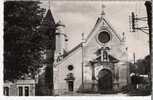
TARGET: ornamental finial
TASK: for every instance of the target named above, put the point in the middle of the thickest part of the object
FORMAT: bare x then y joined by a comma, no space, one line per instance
103,12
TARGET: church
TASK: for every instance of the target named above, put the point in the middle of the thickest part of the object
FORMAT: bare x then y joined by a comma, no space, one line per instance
97,65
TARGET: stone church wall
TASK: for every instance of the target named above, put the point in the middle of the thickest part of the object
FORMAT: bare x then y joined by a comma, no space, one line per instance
61,71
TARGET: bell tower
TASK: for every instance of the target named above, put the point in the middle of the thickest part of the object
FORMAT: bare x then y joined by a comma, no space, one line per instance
61,41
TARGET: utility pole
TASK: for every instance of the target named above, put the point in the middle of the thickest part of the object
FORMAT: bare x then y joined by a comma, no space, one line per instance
134,58
148,5
83,41
146,29
134,62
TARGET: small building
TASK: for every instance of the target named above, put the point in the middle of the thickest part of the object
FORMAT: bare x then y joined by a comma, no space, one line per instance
19,88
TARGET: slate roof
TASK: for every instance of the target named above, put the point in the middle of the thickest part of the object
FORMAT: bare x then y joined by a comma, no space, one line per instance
48,22
75,48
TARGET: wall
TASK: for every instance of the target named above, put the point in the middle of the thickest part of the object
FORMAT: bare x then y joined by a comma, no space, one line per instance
61,71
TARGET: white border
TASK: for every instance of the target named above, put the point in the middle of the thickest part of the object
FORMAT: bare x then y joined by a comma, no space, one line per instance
53,98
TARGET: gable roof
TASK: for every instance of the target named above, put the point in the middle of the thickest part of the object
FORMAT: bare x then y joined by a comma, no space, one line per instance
99,20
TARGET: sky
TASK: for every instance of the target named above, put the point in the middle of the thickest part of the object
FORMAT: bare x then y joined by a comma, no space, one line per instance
80,17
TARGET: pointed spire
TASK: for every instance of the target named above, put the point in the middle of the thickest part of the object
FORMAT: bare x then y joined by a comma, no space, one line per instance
48,22
49,19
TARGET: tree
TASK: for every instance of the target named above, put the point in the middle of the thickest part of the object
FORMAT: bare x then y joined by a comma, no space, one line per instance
147,64
142,66
23,44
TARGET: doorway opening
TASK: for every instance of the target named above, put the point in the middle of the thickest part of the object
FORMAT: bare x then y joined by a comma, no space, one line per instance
105,82
70,85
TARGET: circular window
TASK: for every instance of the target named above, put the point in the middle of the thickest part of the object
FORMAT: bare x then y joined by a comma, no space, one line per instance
70,67
104,37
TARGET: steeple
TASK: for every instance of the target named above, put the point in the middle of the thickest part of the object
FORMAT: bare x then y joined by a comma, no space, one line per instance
61,42
49,20
48,27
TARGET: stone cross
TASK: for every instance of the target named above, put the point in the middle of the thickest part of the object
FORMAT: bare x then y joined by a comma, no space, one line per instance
103,12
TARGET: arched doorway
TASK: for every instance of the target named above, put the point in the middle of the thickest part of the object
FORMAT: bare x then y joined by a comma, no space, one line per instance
105,80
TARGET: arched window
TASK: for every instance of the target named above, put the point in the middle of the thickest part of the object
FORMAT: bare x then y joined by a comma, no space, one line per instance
105,56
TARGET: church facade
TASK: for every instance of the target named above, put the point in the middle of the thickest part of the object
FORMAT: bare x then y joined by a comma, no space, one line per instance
98,64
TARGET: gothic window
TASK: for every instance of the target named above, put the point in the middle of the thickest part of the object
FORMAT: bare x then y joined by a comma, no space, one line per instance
6,91
104,37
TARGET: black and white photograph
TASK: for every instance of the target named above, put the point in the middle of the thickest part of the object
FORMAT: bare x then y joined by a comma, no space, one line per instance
77,48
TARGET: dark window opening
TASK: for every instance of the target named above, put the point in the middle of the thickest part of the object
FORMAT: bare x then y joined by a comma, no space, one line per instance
70,67
20,91
6,91
26,89
104,37
105,55
70,85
